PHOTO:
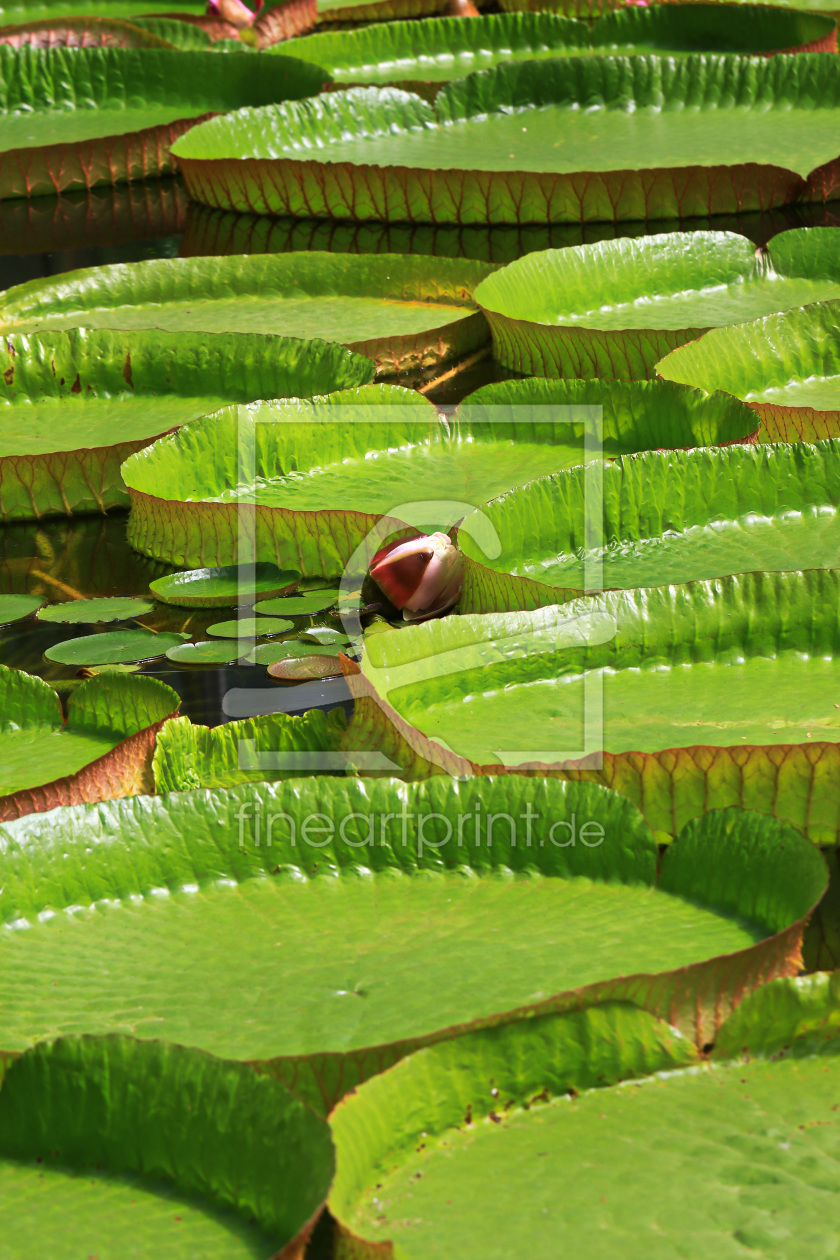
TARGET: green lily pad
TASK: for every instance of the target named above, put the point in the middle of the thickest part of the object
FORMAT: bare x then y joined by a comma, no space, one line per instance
113,647
66,107
402,312
615,308
17,607
269,653
103,748
102,1141
175,31
467,1139
443,48
224,587
324,635
666,517
609,418
305,668
209,652
307,604
255,750
713,693
320,494
74,405
245,627
245,871
523,143
90,611
786,367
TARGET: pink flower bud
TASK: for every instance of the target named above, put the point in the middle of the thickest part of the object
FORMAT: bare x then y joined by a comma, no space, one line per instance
423,576
233,11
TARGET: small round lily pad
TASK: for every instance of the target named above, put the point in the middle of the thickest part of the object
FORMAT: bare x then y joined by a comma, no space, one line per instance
268,653
91,611
297,605
16,607
114,647
224,587
305,668
245,627
325,634
209,652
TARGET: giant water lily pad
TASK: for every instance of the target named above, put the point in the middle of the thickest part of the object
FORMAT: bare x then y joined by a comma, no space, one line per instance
786,367
615,308
104,748
454,1147
666,517
322,475
20,11
114,1144
75,118
436,50
255,750
377,10
74,405
524,143
683,697
92,611
604,419
402,312
370,882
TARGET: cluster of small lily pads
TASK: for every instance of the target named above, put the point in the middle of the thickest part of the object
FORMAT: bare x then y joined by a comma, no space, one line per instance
499,374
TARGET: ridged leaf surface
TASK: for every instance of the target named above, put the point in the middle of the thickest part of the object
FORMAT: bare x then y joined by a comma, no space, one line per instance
613,309
75,404
324,955
785,366
536,142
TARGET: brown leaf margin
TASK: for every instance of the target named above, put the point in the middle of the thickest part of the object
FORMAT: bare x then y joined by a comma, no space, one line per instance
344,190
45,170
80,32
65,483
124,771
795,783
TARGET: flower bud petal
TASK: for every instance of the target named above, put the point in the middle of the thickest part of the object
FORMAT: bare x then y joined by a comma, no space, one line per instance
422,576
234,11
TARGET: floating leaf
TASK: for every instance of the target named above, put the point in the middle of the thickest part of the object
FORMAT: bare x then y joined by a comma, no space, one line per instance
74,405
90,611
304,668
244,872
102,750
434,51
110,1129
377,10
615,308
269,653
664,517
224,587
752,723
325,635
487,151
255,750
308,603
405,313
17,607
245,627
113,647
474,1136
90,116
786,367
321,499
208,652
